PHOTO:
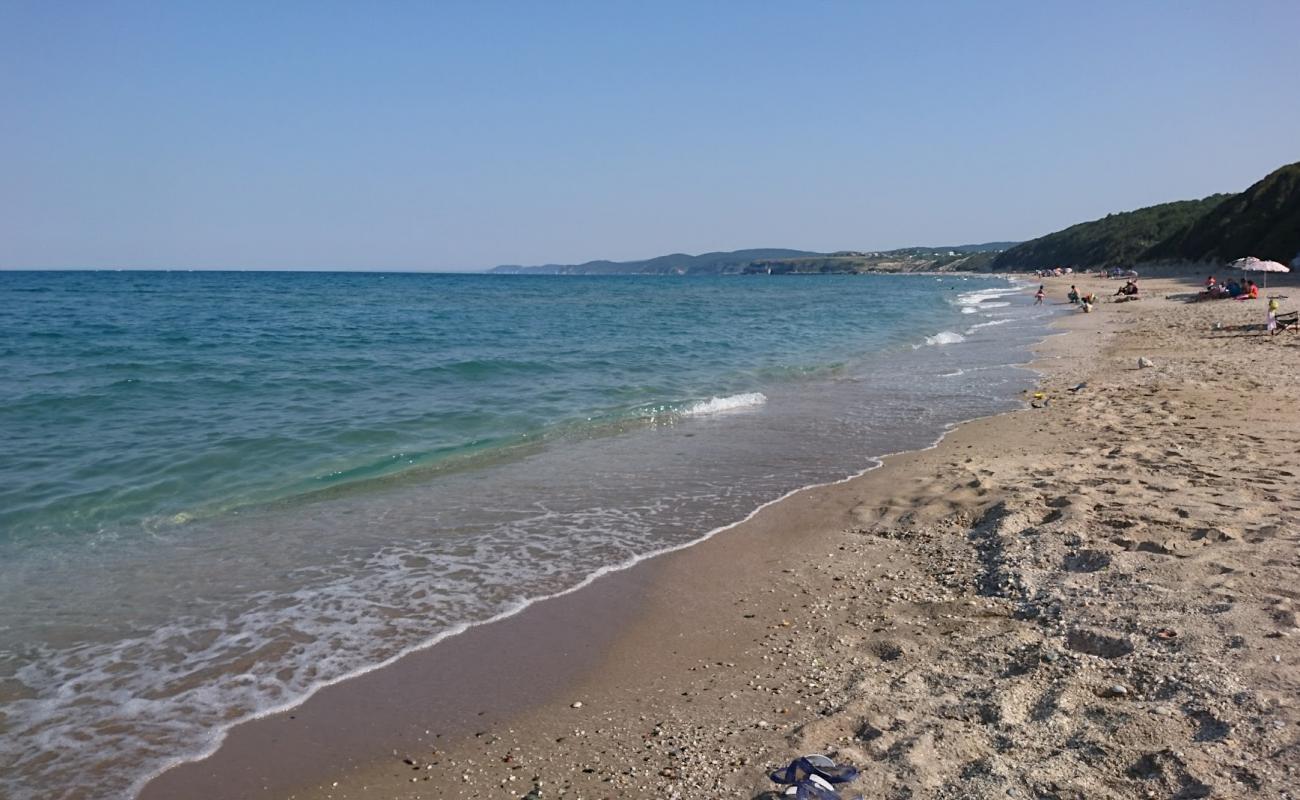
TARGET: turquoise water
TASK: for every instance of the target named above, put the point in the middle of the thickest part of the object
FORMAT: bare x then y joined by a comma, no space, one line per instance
180,394
316,472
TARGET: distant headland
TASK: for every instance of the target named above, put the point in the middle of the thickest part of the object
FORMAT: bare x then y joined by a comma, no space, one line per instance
1262,221
777,261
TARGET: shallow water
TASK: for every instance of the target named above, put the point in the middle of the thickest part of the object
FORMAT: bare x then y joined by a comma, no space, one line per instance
221,491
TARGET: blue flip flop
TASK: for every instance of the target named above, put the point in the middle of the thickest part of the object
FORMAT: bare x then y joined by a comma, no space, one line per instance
813,777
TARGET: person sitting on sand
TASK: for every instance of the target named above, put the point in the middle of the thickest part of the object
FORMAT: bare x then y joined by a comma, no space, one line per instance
1073,296
1234,288
1129,290
1253,290
1209,282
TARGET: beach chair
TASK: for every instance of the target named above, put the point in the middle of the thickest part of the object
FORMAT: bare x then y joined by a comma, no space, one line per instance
1290,321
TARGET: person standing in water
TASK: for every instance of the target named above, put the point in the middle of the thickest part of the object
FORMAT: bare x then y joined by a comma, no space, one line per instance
1038,295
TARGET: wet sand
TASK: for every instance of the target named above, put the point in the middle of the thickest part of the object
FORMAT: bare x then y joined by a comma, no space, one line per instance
1096,597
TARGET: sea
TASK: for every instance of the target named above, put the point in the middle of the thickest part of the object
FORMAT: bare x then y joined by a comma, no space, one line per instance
223,491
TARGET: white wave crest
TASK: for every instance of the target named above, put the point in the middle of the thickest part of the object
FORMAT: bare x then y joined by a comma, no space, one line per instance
989,324
982,296
716,405
945,337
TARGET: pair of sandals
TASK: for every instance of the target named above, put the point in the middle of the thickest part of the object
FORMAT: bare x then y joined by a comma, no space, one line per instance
813,777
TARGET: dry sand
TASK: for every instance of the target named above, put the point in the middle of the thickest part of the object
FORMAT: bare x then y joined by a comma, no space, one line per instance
1095,598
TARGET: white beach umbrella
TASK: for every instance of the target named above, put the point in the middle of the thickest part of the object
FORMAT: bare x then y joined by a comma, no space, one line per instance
1252,264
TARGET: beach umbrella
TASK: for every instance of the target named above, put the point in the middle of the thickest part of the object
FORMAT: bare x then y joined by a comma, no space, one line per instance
1252,264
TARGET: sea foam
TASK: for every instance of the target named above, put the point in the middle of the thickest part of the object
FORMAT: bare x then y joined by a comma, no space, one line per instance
945,337
716,405
989,324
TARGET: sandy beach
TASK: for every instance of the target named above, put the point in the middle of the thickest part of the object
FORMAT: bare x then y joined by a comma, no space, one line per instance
1093,597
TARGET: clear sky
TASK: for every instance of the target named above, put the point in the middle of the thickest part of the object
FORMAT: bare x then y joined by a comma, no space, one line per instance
453,135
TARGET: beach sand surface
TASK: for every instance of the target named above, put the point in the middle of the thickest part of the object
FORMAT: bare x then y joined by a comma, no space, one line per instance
1093,597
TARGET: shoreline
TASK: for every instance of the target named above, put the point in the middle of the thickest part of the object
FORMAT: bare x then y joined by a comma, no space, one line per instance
177,710
614,675
618,585
146,786
616,591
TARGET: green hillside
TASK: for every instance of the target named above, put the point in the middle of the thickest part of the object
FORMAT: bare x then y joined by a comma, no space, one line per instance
906,260
1115,240
1262,221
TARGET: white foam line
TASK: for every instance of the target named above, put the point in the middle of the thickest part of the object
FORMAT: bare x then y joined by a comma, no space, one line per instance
220,736
998,321
945,337
717,405
221,733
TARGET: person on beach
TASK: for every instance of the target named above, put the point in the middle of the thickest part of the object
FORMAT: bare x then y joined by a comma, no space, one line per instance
1252,290
1073,296
1038,295
1271,323
1128,290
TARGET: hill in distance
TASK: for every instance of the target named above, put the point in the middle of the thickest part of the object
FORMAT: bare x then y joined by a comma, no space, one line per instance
780,261
1262,221
1114,240
672,264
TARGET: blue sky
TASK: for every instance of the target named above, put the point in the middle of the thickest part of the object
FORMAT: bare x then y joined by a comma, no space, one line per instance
449,135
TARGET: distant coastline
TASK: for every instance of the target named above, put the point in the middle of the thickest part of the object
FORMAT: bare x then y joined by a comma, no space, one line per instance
777,261
1263,221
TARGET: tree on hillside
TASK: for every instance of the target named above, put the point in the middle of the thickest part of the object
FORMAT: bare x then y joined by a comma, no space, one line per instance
1114,240
1262,221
